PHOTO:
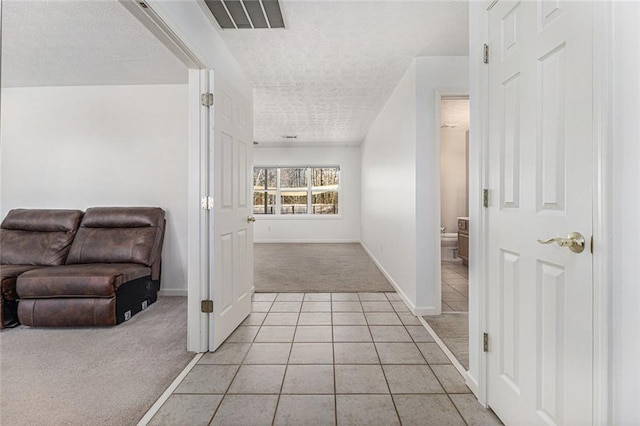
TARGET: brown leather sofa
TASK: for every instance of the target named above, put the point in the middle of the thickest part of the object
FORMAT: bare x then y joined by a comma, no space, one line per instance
31,239
111,273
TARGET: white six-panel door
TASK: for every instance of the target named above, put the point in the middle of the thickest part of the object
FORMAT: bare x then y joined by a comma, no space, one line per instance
540,180
231,271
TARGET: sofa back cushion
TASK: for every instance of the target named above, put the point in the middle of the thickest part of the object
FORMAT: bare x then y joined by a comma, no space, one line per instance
119,235
37,237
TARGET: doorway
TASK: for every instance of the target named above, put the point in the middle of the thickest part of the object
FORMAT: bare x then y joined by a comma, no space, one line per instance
452,325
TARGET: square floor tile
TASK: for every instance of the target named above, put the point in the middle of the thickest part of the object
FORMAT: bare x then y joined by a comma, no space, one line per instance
411,379
423,410
389,333
290,297
316,306
246,410
344,297
264,297
400,306
355,353
286,306
472,412
227,353
419,333
366,410
360,379
316,410
408,318
399,353
450,378
351,333
261,306
255,318
268,353
275,334
433,353
311,353
349,318
459,306
383,318
187,410
392,296
281,318
243,334
377,307
207,379
256,379
346,306
313,333
453,296
308,379
317,297
372,297
315,318
445,307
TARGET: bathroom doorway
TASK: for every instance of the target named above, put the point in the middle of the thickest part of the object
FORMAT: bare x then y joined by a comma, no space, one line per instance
452,326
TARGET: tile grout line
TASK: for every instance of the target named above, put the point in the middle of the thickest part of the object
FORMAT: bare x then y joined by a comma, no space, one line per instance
169,391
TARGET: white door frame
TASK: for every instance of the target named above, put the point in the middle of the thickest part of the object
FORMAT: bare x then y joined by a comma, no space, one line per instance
198,169
602,208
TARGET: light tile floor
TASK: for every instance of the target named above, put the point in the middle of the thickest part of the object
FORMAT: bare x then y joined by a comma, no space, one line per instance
455,286
325,359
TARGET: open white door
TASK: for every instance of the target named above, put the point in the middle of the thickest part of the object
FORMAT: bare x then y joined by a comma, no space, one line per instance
231,249
540,303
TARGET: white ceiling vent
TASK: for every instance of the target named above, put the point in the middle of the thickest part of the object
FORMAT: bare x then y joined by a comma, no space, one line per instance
246,14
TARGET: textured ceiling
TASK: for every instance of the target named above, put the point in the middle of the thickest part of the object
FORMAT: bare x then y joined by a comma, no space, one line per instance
80,42
455,113
328,74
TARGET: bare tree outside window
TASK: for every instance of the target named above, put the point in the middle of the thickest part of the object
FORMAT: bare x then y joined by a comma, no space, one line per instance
296,190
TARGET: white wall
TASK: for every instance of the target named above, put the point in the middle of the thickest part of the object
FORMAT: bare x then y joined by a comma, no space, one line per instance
437,75
344,227
453,175
625,137
388,187
79,147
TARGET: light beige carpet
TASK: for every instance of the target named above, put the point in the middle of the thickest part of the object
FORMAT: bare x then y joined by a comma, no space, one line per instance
92,376
316,268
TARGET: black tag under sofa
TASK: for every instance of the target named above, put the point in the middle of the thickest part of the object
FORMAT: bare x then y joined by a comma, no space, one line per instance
109,271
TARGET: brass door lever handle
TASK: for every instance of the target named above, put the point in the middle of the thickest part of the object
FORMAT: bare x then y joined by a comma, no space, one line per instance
575,242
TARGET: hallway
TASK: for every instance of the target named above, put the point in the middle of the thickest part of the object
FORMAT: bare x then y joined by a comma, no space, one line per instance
325,358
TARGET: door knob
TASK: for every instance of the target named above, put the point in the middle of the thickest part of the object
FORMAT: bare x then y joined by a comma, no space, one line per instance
251,219
575,242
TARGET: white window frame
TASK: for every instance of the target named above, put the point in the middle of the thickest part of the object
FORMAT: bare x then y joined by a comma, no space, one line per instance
307,216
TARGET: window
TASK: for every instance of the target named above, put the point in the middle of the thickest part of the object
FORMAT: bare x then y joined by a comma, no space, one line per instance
296,190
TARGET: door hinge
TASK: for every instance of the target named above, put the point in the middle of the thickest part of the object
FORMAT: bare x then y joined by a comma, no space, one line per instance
485,54
206,203
485,197
206,99
591,245
485,342
206,306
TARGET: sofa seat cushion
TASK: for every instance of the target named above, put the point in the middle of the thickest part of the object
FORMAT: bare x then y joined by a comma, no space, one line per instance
91,280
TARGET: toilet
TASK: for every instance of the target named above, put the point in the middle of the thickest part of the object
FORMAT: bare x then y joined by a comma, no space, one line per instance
449,246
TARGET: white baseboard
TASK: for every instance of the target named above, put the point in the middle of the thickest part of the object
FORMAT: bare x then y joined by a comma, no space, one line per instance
428,310
173,293
472,384
395,285
307,241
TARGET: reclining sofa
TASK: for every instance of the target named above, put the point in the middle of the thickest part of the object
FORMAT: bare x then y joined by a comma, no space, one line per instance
110,273
31,239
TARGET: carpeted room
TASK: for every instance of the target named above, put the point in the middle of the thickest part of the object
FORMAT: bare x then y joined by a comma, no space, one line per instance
109,129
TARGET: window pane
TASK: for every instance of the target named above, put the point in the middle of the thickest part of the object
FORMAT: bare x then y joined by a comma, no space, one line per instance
293,179
262,175
324,202
293,203
325,177
264,203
